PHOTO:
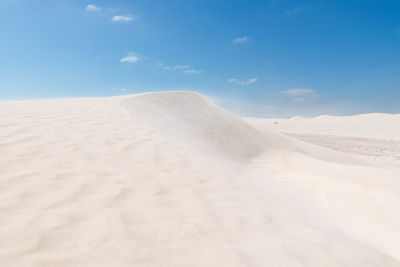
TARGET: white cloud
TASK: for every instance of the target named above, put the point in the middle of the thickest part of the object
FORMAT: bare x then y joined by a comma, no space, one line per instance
93,8
239,82
163,66
240,39
132,57
124,18
300,94
193,71
120,89
293,11
182,67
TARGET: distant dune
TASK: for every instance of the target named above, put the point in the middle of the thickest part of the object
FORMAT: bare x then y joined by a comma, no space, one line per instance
374,125
171,179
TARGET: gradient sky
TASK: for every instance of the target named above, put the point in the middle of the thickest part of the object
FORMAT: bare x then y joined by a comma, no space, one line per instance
259,58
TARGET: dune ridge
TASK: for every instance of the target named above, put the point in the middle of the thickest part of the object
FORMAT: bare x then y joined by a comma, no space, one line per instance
192,121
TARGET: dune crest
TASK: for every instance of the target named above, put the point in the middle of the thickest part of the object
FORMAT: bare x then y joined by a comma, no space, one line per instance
196,124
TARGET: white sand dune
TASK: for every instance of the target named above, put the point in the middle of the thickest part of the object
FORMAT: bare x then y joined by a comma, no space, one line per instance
194,123
170,179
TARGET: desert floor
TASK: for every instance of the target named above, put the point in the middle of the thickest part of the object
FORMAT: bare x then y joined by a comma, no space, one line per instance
170,179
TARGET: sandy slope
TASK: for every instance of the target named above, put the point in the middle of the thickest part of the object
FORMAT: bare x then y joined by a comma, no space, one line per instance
170,179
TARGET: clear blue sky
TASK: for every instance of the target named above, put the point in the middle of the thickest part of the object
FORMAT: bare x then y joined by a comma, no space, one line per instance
259,58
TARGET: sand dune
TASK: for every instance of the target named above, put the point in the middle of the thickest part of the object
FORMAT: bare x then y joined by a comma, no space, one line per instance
374,126
170,179
194,123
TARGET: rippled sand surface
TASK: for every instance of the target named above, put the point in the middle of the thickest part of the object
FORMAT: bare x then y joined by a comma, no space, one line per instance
170,179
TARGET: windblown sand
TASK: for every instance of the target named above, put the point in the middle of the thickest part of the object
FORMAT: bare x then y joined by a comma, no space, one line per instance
170,179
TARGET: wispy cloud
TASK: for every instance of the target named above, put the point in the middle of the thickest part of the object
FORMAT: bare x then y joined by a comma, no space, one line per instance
239,82
240,40
293,11
300,94
93,8
119,89
162,66
181,67
132,57
124,18
193,71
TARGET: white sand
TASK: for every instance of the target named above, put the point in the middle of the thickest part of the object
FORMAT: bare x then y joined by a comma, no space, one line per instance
374,125
170,179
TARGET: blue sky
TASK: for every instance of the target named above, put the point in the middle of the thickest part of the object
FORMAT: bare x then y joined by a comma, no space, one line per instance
260,58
